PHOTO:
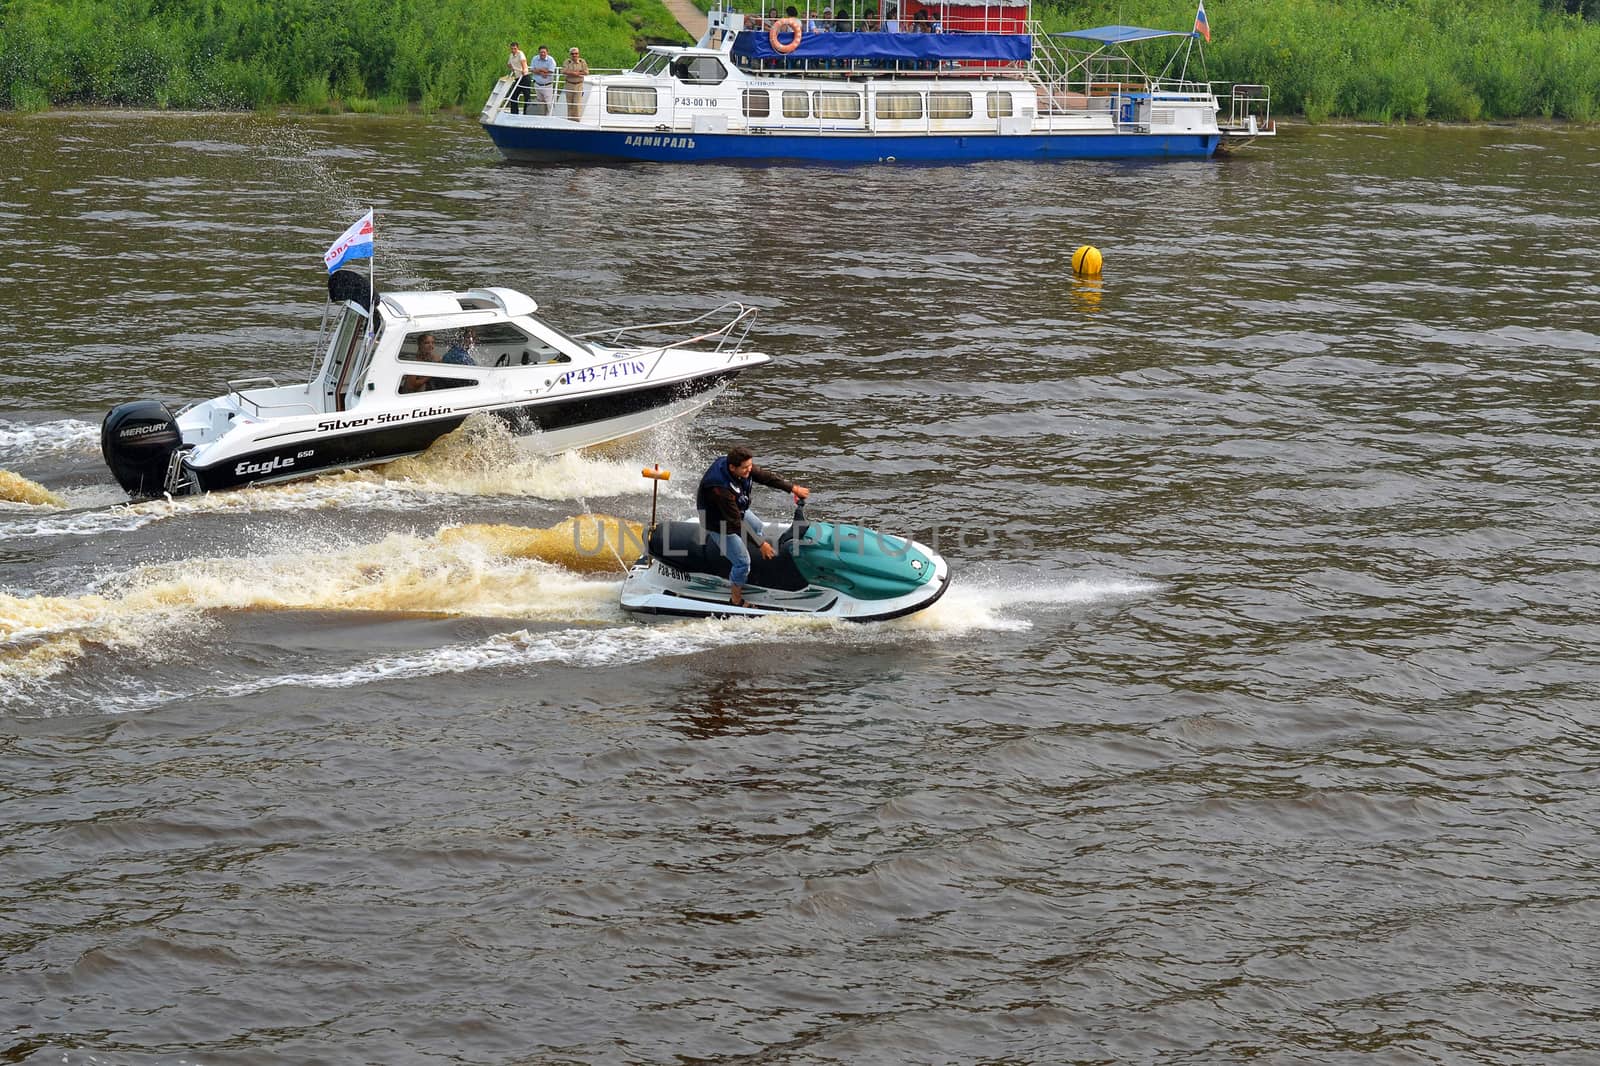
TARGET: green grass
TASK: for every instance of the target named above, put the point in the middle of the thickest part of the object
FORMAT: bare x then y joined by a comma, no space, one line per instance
1388,60
1382,60
304,53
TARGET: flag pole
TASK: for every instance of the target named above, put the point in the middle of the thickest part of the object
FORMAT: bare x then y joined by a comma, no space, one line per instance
372,278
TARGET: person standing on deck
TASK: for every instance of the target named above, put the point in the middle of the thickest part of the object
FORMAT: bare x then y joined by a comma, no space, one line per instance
543,66
574,70
518,65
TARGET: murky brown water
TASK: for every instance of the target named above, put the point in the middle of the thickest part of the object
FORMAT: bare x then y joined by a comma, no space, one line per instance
1259,724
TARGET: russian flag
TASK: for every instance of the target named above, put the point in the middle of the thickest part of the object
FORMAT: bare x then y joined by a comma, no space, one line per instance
353,243
1202,28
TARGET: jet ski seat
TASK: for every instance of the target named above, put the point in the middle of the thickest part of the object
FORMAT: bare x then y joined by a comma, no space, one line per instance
685,546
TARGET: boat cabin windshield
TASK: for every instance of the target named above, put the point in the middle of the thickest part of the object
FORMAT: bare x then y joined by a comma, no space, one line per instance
651,63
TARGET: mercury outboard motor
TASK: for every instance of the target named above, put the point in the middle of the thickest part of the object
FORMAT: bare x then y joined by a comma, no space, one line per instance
137,440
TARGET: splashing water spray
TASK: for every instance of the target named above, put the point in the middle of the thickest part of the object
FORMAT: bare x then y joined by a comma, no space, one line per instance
15,488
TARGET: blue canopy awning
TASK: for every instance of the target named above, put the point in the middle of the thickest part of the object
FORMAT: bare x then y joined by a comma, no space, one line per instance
1121,34
1002,47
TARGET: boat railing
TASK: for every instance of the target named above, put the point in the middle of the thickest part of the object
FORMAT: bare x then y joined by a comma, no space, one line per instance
500,95
812,20
730,336
237,389
1249,109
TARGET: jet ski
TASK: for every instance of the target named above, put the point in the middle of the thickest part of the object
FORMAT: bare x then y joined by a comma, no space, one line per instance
821,569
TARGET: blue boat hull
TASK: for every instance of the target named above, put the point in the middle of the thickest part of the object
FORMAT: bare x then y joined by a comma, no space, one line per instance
543,144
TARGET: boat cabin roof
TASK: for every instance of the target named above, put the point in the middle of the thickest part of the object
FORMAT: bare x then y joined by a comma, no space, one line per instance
1121,34
415,305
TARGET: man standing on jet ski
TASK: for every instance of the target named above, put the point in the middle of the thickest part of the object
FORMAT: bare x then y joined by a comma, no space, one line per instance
723,501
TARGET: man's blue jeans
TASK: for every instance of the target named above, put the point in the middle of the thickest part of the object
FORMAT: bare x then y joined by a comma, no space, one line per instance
734,548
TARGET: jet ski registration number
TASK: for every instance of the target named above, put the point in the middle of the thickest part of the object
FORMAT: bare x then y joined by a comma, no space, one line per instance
621,368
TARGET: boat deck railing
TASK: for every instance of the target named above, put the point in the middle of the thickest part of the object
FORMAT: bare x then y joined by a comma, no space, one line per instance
500,96
1249,110
237,388
729,337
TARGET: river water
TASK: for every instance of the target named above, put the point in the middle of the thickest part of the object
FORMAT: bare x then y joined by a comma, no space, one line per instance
1257,726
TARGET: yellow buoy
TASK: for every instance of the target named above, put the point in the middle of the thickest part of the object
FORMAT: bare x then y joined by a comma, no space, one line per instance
1086,261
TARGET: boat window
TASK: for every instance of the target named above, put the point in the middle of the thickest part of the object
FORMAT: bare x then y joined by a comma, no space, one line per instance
949,105
501,344
630,100
999,105
757,103
838,105
699,70
410,383
796,105
650,63
899,105
428,346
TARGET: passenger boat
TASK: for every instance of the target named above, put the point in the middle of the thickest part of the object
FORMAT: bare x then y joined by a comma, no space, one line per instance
981,82
378,394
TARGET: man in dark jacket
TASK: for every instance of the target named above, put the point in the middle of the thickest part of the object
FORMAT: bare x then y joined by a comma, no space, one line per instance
723,501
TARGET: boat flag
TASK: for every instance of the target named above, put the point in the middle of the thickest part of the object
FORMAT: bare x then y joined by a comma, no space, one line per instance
354,243
1202,28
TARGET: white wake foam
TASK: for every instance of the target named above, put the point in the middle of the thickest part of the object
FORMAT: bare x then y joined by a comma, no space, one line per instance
22,442
482,458
1003,606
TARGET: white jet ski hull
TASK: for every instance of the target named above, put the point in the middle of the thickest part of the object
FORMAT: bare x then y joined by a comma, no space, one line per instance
656,588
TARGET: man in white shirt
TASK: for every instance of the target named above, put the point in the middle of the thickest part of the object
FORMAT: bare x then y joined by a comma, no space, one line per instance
518,65
543,66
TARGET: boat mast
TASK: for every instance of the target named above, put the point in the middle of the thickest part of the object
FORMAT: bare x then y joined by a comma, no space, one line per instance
372,278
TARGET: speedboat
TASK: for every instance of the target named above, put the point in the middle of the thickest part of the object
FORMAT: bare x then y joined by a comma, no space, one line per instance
820,569
398,370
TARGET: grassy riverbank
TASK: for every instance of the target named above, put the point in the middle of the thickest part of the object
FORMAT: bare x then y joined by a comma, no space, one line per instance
362,55
1389,60
1383,60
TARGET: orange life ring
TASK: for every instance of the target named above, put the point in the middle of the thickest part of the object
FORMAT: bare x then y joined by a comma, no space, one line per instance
784,24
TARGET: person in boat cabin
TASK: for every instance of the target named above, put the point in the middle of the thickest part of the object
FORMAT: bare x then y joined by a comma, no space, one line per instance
574,70
428,353
821,24
518,65
723,500
543,66
460,352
